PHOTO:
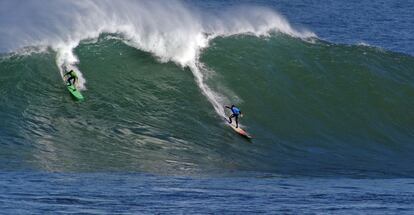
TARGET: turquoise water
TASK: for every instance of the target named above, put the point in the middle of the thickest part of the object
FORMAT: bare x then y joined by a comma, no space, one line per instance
321,106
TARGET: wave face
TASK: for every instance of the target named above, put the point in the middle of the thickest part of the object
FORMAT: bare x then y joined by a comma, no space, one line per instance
170,30
158,74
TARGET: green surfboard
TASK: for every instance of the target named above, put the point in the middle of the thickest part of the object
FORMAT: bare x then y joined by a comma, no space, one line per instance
75,93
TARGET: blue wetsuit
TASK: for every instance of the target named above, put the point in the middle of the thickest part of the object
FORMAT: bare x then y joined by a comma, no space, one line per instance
235,113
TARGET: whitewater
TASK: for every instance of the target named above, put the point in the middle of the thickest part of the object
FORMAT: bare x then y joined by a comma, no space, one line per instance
170,30
330,108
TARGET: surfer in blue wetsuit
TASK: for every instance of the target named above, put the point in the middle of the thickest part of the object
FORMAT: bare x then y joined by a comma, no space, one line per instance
72,77
235,114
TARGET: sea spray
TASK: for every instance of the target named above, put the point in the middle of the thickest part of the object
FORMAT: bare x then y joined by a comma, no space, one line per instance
170,30
66,60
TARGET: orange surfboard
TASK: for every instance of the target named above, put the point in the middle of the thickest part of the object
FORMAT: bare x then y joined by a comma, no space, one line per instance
239,130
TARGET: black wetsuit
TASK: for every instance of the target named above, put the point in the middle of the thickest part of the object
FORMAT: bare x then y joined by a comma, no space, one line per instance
72,77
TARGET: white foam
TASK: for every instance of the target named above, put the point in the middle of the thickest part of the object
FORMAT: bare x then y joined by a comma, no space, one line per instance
169,30
67,60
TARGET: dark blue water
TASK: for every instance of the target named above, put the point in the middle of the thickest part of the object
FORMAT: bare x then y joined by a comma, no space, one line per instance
110,193
72,188
384,24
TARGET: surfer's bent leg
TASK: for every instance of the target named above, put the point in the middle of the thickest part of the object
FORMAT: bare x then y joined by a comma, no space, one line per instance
231,116
69,80
237,121
72,80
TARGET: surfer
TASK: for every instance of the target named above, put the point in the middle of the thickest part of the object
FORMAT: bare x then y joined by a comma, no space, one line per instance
235,114
72,77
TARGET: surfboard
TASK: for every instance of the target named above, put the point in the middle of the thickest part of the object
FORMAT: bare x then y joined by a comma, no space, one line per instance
238,130
75,92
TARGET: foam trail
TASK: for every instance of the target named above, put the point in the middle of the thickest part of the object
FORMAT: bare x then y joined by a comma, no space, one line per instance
66,60
215,99
170,30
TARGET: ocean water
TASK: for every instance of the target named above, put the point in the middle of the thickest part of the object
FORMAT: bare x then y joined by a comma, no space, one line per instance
103,193
326,88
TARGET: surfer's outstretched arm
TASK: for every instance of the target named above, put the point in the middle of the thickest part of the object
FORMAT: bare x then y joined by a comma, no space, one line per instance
227,107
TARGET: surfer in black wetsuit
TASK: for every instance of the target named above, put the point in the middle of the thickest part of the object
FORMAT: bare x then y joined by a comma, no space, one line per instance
72,77
235,114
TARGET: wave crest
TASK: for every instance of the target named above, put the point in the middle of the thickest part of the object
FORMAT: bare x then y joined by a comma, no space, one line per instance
170,30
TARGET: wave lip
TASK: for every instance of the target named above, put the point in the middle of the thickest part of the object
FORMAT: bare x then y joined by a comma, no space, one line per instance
315,110
170,30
